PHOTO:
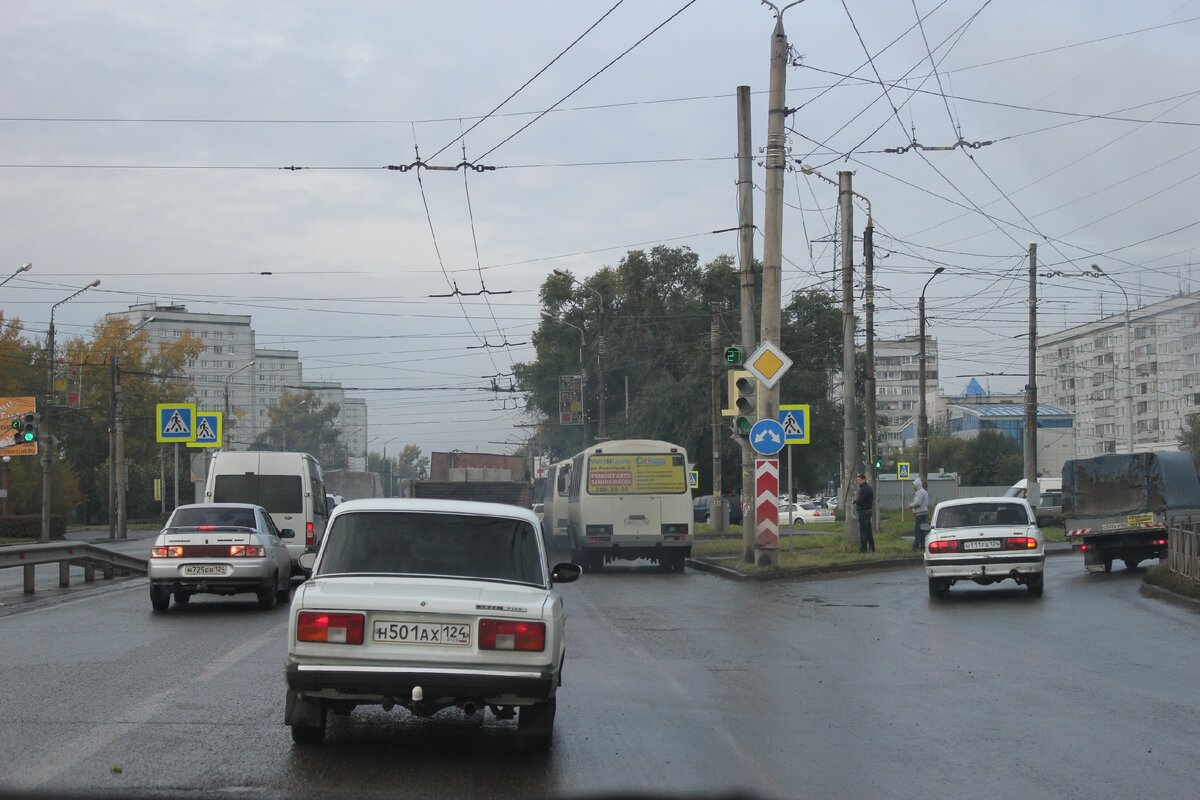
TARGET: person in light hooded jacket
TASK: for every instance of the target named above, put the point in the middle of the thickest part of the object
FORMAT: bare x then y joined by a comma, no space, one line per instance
920,507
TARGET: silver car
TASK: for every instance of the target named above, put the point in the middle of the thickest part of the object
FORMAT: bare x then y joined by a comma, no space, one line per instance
220,548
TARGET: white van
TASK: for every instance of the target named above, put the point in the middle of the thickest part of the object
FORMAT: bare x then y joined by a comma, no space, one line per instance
288,485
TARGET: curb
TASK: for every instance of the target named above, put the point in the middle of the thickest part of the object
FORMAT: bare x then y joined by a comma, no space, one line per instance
1167,596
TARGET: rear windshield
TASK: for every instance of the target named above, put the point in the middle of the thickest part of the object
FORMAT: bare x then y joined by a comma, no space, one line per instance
193,517
441,545
981,514
279,494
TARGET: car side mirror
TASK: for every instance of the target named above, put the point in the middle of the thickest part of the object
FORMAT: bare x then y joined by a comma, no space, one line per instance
565,572
307,560
287,533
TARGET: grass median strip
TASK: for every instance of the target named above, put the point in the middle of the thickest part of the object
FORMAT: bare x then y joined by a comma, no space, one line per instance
818,545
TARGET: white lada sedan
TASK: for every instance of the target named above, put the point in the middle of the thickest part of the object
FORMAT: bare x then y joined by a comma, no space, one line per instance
985,540
428,604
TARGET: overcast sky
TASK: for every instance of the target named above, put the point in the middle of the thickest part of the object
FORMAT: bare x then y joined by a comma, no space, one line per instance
141,143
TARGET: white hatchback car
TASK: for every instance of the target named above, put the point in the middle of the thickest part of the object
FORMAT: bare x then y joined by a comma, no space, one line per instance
428,604
985,540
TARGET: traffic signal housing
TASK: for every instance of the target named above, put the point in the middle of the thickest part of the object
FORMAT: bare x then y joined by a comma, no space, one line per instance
25,429
742,388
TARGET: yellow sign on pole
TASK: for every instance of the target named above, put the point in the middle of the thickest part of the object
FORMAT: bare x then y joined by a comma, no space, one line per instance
158,488
902,469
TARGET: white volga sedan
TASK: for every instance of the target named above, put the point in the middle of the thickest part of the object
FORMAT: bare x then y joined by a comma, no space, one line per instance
428,604
985,540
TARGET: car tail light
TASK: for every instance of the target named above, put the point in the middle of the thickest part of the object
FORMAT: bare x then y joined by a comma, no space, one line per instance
206,527
321,626
500,634
1158,541
174,551
247,551
1021,543
309,534
675,528
944,546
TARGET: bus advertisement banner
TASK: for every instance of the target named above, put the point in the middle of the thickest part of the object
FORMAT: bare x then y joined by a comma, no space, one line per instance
637,474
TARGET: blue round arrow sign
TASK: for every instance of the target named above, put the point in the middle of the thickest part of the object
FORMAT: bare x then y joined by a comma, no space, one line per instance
767,437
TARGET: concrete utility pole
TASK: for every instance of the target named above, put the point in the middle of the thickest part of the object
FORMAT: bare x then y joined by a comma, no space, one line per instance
850,461
869,379
746,270
716,511
1032,490
767,400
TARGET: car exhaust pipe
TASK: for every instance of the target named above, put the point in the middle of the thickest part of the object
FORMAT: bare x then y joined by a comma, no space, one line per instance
469,709
388,703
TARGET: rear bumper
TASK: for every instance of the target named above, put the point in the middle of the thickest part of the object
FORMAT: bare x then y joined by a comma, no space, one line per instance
515,686
245,577
618,550
985,566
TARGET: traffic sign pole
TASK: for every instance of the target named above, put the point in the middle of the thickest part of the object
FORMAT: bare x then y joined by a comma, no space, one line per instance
766,511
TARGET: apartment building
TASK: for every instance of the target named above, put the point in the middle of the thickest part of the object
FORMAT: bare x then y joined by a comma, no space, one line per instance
898,382
1144,396
233,375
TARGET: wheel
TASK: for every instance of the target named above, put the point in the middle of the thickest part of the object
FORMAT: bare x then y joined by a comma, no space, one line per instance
160,599
266,596
1108,564
680,564
302,734
284,594
1037,586
1131,563
182,598
535,725
938,587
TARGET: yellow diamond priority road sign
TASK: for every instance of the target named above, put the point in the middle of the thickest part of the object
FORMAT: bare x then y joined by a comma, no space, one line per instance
767,363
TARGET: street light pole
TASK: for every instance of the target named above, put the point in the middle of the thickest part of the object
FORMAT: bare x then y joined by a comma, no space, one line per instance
1128,360
47,450
116,469
922,420
600,436
225,414
582,400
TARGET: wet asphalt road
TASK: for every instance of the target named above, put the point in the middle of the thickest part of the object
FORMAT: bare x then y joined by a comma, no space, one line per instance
857,686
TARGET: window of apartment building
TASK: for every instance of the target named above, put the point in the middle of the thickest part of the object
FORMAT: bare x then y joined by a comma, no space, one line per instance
1144,350
1168,405
1143,388
1141,407
1142,370
1103,359
1103,342
191,364
1143,332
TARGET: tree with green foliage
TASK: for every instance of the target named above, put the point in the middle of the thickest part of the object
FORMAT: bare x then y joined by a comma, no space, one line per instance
300,422
657,342
1189,437
991,459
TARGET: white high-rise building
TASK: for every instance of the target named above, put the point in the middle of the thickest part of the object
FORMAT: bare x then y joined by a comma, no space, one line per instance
898,385
1087,371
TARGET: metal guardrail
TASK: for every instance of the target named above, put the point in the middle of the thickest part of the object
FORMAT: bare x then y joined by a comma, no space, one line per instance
1183,552
66,554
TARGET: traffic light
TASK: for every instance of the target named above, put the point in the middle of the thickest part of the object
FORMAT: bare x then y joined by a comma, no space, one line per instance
878,463
734,356
25,429
742,387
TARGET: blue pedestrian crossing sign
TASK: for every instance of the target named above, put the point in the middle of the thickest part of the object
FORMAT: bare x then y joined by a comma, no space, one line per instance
794,419
176,422
209,429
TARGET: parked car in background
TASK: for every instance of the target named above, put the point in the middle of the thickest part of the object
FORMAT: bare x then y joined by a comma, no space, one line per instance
428,604
985,540
801,513
702,509
220,548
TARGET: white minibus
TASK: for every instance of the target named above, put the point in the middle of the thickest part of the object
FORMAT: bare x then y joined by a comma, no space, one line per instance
288,485
629,499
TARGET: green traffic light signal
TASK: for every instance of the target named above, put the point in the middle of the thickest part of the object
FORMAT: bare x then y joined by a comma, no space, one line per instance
733,356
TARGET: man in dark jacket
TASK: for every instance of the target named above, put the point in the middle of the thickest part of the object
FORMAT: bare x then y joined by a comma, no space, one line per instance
864,504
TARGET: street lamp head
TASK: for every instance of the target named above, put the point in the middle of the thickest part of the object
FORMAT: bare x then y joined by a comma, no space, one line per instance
24,268
94,284
560,273
547,314
939,270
